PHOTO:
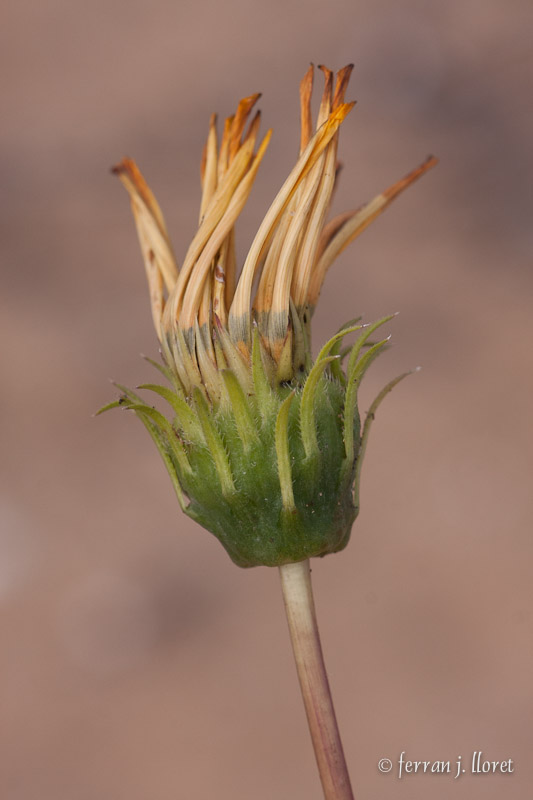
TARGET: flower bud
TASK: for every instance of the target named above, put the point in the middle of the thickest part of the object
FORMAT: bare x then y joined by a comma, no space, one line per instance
264,446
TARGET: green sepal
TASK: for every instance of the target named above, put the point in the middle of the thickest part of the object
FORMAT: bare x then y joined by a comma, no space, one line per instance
157,426
172,355
208,368
169,374
365,361
338,337
233,356
283,454
369,419
362,339
284,369
175,446
214,443
185,416
264,396
128,393
161,444
242,412
108,406
350,407
307,407
336,350
299,345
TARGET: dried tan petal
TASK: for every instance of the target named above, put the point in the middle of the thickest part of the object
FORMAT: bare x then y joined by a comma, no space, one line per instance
356,224
325,103
223,278
204,312
207,363
199,274
253,129
239,317
263,298
131,177
155,288
239,122
341,84
214,213
279,309
209,167
218,281
151,228
309,244
306,91
230,268
224,148
330,229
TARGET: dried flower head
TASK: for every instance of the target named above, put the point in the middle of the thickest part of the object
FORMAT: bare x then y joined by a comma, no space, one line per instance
265,447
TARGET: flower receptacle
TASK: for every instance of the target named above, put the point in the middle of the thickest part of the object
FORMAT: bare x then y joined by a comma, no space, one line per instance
271,469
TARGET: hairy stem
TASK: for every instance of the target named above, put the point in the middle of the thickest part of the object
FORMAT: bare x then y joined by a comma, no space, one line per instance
303,628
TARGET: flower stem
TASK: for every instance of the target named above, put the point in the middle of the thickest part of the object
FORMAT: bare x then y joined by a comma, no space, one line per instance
303,628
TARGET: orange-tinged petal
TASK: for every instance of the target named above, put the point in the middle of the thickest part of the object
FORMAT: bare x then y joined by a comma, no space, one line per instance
214,213
341,84
357,223
199,275
151,228
325,103
306,90
308,247
239,317
239,122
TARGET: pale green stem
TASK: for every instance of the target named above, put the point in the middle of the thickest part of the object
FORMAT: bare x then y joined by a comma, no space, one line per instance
303,628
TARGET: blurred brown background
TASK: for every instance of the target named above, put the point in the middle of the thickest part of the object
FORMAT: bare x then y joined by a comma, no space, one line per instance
136,661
